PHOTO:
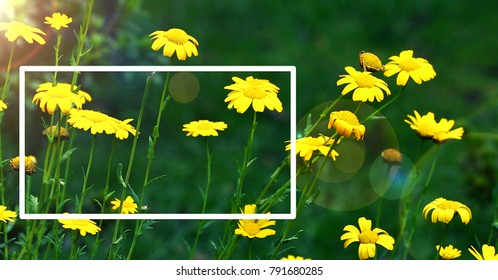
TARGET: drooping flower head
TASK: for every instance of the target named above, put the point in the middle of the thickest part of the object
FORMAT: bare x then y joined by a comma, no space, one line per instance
29,164
418,69
366,87
294,258
449,252
84,226
306,146
254,228
444,210
203,128
15,29
129,205
346,123
367,237
6,215
175,40
49,97
488,253
58,20
259,93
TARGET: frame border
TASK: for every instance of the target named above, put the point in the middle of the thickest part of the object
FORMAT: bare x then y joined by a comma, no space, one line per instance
156,216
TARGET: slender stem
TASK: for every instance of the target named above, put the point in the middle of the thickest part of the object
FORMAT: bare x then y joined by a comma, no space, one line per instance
389,171
384,105
4,92
307,193
324,114
130,162
57,47
441,240
236,200
419,204
83,31
87,173
244,165
205,198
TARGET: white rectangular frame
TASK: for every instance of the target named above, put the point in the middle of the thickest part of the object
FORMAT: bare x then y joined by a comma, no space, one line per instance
155,216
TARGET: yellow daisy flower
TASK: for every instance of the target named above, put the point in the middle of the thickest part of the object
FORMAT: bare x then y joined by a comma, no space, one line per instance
419,69
443,132
488,253
306,146
84,226
370,62
293,258
365,86
367,237
6,215
3,106
254,228
49,97
124,129
448,252
203,128
29,164
444,210
129,205
258,92
346,123
97,122
15,29
58,20
175,40
425,126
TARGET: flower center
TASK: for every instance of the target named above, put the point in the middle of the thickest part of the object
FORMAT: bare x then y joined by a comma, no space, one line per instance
254,92
368,237
409,64
177,36
365,80
448,204
251,228
204,126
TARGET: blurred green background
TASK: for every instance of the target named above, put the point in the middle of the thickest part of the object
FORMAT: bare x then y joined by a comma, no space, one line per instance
320,38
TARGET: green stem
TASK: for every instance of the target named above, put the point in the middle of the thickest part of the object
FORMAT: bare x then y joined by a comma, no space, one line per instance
236,201
384,105
205,197
306,195
443,236
130,164
389,173
57,47
83,31
418,208
4,92
87,174
323,114
245,163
